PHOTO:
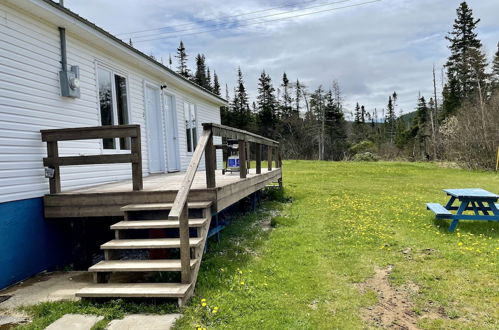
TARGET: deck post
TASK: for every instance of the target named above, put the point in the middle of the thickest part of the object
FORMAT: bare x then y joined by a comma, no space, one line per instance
185,250
55,181
242,159
269,158
210,163
258,154
276,157
248,156
137,163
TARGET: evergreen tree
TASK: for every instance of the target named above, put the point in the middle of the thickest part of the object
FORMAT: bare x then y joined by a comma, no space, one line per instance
495,63
266,106
216,84
170,61
356,115
208,79
298,96
182,68
335,128
495,69
240,112
390,120
467,62
200,77
286,109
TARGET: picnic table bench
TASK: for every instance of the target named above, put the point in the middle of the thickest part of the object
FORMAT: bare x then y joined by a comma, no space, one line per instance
480,201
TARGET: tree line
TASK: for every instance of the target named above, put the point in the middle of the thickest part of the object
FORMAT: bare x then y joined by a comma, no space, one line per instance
459,124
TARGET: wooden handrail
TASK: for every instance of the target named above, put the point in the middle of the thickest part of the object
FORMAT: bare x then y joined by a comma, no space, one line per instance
179,211
53,136
239,134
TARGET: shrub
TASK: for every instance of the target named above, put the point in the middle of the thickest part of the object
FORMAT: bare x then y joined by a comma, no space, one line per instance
365,157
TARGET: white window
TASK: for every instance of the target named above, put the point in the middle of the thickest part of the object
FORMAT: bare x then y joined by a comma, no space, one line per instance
190,126
113,102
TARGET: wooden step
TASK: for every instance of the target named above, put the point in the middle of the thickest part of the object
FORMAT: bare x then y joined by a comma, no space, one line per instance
149,243
170,265
130,290
155,224
163,206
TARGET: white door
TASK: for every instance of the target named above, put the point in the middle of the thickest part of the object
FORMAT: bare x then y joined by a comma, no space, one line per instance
155,131
172,151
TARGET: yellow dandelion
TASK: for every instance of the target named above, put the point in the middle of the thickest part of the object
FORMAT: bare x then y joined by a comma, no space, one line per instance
242,283
203,304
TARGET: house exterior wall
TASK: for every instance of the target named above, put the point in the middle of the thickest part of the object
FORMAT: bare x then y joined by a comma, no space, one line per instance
30,101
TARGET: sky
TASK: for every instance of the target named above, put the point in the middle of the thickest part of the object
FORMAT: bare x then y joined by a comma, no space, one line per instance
371,47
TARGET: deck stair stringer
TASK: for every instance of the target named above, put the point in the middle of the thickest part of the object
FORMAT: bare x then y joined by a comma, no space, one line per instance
137,218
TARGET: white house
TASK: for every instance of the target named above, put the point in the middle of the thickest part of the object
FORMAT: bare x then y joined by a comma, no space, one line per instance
109,83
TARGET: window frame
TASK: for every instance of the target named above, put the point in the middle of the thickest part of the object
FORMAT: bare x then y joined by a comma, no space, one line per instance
114,99
195,112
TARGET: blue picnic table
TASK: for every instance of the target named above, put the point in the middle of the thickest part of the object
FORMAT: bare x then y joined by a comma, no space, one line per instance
480,201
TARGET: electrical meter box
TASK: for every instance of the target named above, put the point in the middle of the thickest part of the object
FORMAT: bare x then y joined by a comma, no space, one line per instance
70,82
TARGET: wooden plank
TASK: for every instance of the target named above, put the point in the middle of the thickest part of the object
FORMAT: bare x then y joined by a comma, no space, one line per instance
242,159
155,224
238,134
163,206
258,155
55,181
230,194
189,176
129,290
137,180
185,244
166,265
89,160
87,133
210,160
148,243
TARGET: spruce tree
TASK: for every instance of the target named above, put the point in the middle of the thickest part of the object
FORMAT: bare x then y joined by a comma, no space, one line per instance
298,96
200,77
266,106
390,120
467,62
495,63
495,70
216,84
286,110
335,128
182,68
356,115
241,114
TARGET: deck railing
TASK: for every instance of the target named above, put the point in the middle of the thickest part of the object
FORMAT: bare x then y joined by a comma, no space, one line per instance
179,211
54,161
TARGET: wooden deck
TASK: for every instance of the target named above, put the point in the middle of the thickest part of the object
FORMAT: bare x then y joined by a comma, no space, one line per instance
107,199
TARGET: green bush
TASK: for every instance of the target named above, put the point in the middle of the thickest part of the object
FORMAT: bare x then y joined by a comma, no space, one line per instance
365,157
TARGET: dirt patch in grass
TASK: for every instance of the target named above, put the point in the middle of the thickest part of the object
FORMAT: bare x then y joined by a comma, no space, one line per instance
394,310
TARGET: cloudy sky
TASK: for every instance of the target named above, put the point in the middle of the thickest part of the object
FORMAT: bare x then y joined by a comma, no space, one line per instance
371,47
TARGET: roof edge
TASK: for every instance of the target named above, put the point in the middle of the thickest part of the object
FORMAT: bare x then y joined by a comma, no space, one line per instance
133,49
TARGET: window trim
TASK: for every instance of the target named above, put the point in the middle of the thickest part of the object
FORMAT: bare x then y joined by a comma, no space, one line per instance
114,71
195,125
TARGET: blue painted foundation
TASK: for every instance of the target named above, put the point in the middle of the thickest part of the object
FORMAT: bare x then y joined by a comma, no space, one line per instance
29,244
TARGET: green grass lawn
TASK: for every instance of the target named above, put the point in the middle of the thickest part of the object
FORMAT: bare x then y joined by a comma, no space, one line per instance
345,220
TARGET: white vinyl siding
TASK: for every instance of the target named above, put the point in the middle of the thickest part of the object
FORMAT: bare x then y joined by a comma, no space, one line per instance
30,101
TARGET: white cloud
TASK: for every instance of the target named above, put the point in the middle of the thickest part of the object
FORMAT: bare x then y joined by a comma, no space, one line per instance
372,50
